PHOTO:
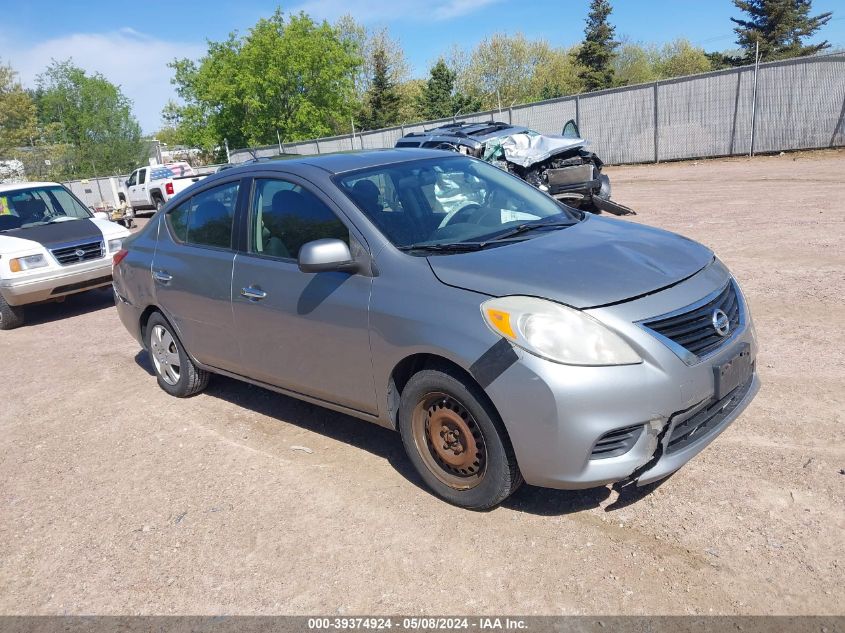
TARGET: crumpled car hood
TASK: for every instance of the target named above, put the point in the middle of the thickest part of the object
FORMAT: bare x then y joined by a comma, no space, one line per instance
527,149
595,262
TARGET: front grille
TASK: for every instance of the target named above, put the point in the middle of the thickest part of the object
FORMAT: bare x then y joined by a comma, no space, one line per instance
703,422
694,330
75,253
616,442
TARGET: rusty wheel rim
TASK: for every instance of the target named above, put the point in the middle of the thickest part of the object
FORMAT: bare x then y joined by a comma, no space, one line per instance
449,441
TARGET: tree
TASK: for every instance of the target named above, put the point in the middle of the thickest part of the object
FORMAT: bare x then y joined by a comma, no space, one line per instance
780,27
680,58
17,113
501,70
440,99
556,73
293,77
598,48
92,116
635,64
382,99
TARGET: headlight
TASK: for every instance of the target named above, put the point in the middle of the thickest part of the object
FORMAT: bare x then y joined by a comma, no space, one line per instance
27,263
556,333
115,245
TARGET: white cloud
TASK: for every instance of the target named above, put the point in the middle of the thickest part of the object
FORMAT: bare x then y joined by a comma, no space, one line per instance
133,60
381,11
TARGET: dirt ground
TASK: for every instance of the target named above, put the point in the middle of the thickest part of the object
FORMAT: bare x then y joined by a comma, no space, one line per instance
118,499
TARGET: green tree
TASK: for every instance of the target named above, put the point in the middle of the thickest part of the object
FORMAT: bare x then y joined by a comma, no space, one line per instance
598,48
680,58
440,99
556,73
501,70
17,112
635,64
780,27
410,98
437,98
92,116
382,99
293,77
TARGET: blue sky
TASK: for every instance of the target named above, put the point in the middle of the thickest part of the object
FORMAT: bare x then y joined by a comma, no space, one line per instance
131,43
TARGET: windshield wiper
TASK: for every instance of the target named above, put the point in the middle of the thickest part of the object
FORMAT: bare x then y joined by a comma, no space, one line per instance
526,227
454,247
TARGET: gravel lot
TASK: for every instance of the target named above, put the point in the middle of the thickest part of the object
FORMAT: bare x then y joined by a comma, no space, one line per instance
118,499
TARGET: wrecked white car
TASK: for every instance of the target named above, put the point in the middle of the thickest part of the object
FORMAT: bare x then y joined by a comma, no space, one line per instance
559,165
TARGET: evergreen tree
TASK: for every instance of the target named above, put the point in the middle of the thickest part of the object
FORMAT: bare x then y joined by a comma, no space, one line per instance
437,96
440,99
382,99
780,26
598,48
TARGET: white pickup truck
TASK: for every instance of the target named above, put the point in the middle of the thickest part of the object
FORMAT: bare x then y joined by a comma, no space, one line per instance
150,187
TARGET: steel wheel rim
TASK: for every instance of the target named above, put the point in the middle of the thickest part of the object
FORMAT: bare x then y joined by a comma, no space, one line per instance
165,355
449,441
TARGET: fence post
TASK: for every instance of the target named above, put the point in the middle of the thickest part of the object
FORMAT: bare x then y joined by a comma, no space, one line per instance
510,115
656,128
754,98
317,144
578,113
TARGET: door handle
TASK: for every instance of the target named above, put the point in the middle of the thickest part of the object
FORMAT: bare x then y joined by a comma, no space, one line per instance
162,276
253,294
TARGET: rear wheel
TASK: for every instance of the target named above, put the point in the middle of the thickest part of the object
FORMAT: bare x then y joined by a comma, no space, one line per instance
10,316
175,371
455,440
158,201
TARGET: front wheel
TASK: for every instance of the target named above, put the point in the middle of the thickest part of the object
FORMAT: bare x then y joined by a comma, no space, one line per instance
455,440
175,371
10,316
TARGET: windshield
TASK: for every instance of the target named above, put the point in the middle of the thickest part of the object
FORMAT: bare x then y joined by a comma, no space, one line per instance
35,206
448,201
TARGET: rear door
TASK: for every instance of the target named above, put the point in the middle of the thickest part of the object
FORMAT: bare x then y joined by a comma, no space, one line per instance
192,273
138,192
306,332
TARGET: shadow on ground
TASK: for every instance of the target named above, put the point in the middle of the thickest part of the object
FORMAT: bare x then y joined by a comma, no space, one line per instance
386,444
74,305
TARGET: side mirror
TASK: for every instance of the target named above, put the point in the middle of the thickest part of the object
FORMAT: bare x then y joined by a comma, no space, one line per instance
126,183
326,255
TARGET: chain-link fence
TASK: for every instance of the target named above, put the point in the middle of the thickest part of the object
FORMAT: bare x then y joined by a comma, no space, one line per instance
800,104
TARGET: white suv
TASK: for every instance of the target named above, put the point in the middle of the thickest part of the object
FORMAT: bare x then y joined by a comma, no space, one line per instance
51,246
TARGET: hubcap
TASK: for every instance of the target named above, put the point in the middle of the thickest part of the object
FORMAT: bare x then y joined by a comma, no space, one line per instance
165,355
450,441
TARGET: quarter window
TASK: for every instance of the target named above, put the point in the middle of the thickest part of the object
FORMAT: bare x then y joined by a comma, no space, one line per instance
285,216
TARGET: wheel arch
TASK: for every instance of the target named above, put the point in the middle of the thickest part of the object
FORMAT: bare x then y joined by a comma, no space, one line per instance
414,363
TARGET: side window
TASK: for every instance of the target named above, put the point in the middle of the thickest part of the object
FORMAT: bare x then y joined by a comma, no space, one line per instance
142,176
206,218
132,179
285,216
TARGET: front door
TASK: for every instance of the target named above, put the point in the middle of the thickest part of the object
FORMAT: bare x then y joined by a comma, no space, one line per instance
306,332
192,272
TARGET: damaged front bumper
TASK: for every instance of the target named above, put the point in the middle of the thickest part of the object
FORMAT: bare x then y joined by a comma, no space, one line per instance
582,427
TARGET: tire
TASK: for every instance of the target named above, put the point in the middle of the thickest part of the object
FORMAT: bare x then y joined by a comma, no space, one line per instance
473,464
604,190
10,316
159,203
165,349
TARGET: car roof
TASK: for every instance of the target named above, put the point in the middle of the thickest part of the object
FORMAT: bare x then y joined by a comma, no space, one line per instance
17,186
340,162
474,131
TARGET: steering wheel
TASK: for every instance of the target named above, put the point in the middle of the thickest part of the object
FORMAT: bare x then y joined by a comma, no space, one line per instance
470,214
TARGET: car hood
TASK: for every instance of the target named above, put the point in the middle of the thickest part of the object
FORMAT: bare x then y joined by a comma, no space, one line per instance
595,262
